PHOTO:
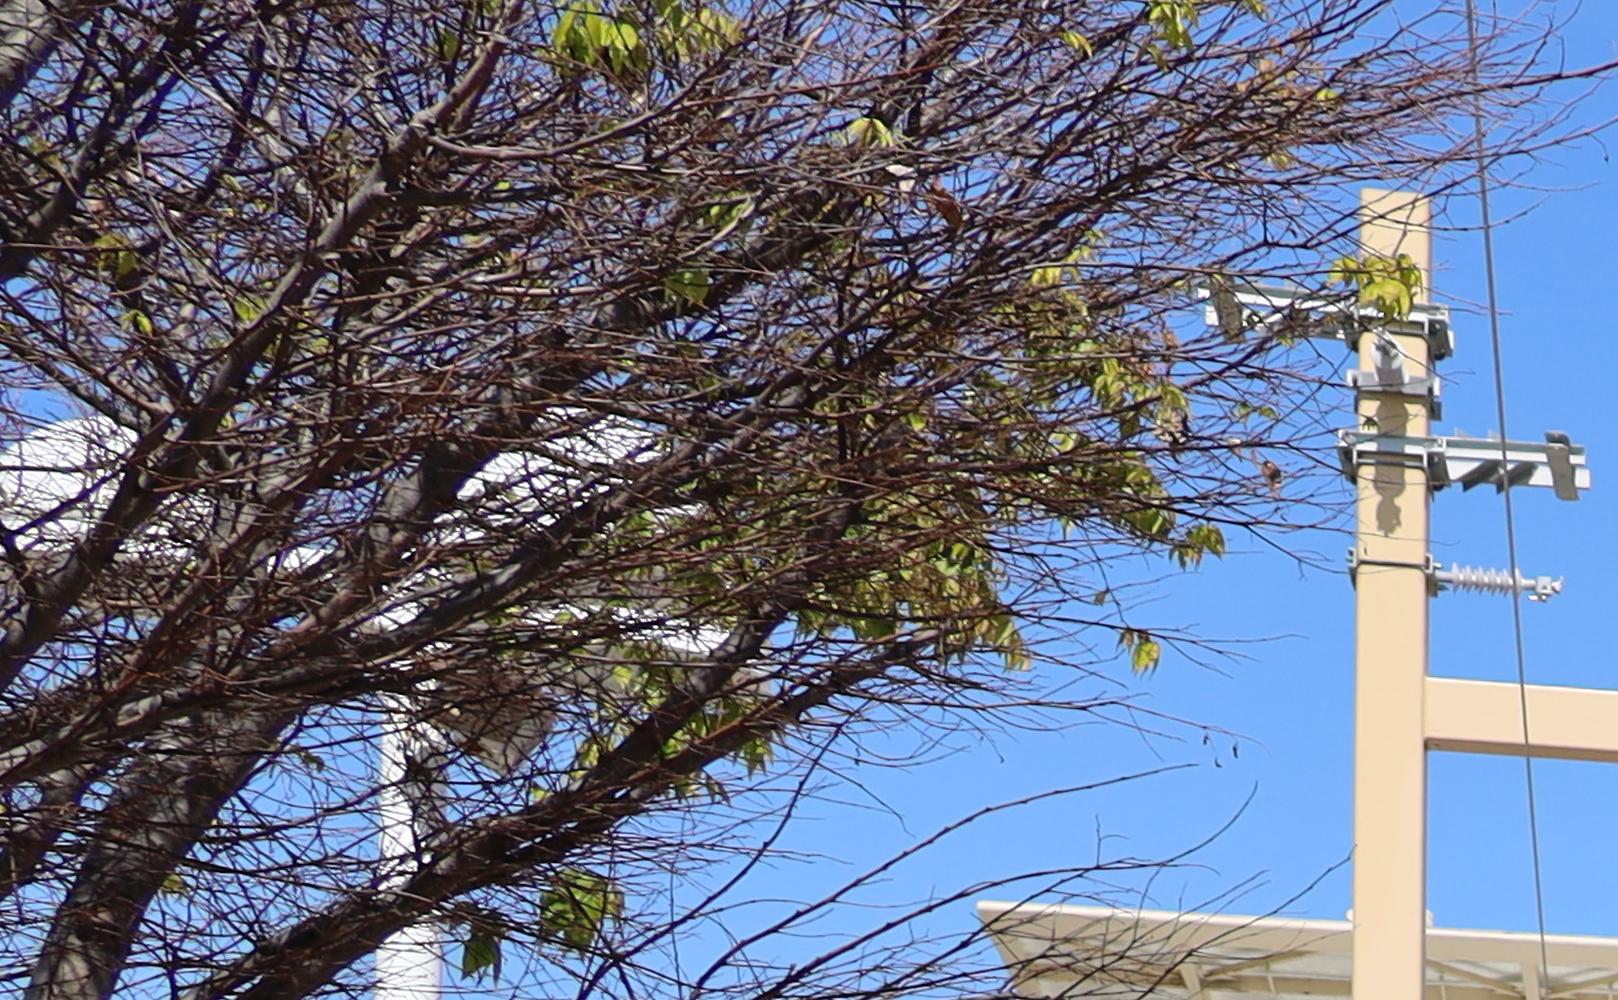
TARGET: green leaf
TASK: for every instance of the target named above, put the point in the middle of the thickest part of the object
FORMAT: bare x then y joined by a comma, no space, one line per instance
1152,522
1143,658
122,262
1172,21
575,910
715,28
1001,634
1144,651
480,953
563,35
585,36
1200,540
1078,43
247,308
1208,538
139,322
1052,274
1016,658
448,45
622,48
689,283
1387,284
868,132
1341,271
594,27
756,754
728,210
683,32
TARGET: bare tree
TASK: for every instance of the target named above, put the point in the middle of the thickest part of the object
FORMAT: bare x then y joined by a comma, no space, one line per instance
639,404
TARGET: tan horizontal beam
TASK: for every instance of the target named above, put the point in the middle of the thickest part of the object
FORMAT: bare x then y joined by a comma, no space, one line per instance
1486,717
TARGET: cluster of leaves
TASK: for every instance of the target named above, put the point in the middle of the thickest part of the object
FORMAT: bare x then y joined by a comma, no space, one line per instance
575,910
1174,22
1387,284
588,36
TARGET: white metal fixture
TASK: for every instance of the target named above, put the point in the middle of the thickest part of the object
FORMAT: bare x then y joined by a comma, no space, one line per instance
1467,578
1496,581
1237,307
1555,463
1058,951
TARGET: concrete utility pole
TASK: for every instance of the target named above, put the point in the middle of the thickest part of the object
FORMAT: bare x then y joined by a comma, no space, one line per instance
1390,631
1400,713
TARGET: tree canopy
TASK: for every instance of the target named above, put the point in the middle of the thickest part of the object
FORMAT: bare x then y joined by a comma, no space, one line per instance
632,402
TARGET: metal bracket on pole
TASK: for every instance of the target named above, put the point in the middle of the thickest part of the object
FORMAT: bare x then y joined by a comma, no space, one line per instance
1237,307
1426,389
1467,578
1555,463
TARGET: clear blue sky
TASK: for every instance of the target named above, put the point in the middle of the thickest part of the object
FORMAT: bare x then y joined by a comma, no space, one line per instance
1556,254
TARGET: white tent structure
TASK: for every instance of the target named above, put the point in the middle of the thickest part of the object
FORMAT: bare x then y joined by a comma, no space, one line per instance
56,480
1059,951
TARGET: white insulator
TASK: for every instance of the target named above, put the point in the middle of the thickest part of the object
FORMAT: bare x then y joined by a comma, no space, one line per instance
1476,578
1497,581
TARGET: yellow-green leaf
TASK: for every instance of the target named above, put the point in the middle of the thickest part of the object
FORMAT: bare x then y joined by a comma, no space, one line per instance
868,131
1143,658
448,44
140,322
576,908
247,308
479,953
1078,43
689,283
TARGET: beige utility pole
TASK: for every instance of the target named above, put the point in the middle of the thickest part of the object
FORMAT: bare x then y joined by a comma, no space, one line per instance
1390,634
1396,463
1399,712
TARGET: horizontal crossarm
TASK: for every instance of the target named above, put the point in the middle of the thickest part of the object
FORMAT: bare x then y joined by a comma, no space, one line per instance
1567,723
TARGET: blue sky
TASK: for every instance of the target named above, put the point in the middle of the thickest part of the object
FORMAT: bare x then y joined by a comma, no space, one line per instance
1291,696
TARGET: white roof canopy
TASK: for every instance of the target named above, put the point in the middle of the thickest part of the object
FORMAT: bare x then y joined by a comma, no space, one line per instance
1071,951
57,480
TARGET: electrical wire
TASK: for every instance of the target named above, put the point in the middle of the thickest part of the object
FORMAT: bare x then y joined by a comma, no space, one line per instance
1480,151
